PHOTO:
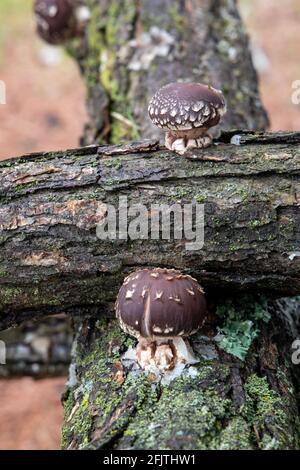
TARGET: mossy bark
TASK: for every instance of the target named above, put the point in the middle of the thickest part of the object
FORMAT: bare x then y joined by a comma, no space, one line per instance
50,206
219,403
133,47
251,192
52,261
223,403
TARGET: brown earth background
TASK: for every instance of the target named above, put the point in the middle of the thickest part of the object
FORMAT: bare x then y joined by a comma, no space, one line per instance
45,110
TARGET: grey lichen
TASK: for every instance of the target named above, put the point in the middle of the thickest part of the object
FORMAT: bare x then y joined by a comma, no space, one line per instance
241,324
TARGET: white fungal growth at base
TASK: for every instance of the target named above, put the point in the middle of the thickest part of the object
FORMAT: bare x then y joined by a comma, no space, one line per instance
180,147
158,364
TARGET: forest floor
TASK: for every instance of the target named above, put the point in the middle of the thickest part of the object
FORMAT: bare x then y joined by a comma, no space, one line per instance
42,117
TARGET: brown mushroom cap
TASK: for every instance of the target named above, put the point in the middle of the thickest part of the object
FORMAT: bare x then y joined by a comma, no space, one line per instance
160,303
55,20
185,106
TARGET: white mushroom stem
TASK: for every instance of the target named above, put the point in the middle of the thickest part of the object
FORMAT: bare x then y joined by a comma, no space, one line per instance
182,144
164,354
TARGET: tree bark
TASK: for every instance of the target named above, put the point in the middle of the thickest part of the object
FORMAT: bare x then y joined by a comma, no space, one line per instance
48,219
133,47
51,259
228,404
221,403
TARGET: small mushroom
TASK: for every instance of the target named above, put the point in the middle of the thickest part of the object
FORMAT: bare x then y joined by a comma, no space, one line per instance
60,20
160,307
186,111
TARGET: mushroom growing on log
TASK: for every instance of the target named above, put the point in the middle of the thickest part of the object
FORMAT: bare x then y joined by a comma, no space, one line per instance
187,111
160,307
60,20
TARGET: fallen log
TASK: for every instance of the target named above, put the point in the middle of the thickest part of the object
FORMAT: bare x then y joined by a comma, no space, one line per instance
51,204
132,48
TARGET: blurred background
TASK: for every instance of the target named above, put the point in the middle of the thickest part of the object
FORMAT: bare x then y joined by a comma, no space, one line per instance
45,110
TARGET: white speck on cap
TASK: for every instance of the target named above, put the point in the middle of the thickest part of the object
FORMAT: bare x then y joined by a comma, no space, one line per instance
129,294
52,11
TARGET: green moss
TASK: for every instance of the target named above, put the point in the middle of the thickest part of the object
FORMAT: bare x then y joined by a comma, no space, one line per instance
198,413
81,417
254,223
99,367
266,401
268,412
22,187
177,18
200,199
234,247
83,424
68,406
181,192
109,83
149,418
236,435
104,42
113,163
38,295
193,412
237,337
111,23
9,295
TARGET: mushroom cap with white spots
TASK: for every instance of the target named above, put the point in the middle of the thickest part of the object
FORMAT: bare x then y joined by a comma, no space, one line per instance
160,303
55,20
185,106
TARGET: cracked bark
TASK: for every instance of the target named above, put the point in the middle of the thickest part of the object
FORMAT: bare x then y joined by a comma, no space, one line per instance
135,415
50,206
138,46
52,203
132,48
222,403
